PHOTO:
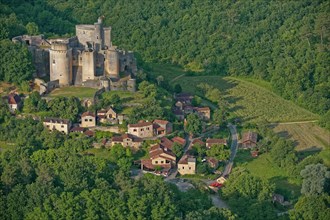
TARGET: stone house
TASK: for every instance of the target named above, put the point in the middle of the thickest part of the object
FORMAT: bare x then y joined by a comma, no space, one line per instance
187,165
61,125
204,113
211,142
160,161
141,129
77,130
162,127
88,120
127,140
14,102
249,140
212,162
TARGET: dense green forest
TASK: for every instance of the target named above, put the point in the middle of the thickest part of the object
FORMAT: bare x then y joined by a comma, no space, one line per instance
283,42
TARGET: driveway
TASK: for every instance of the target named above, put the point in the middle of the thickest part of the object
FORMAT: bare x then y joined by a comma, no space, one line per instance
233,149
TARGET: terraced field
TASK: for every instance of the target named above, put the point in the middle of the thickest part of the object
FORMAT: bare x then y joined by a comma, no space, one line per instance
307,136
249,101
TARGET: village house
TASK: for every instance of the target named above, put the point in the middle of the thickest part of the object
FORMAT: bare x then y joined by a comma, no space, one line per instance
77,130
249,140
179,140
61,125
166,143
110,116
142,129
160,160
179,114
14,102
187,165
88,120
127,140
211,142
212,162
184,99
198,141
204,113
162,127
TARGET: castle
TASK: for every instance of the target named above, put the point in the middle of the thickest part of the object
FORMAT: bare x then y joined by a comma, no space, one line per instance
87,59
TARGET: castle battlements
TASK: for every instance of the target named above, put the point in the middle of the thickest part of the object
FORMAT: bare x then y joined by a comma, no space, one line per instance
88,56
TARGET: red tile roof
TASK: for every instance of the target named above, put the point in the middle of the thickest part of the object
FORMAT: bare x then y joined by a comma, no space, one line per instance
250,136
57,120
216,141
77,129
186,158
14,99
179,140
140,124
161,122
198,141
88,114
89,133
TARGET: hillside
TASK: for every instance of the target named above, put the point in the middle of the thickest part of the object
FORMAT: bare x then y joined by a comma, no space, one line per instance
285,43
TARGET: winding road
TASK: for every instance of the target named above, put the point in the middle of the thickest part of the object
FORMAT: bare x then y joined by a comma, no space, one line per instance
233,149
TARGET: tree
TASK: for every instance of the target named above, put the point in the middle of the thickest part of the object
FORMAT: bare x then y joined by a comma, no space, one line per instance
315,177
218,116
311,207
219,151
32,28
177,149
177,88
15,62
194,124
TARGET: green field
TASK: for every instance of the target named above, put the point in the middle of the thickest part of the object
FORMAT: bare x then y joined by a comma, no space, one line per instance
263,168
80,92
169,72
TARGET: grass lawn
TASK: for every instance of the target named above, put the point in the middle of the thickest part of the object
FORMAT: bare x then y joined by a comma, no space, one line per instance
102,152
263,168
307,136
168,71
249,101
80,92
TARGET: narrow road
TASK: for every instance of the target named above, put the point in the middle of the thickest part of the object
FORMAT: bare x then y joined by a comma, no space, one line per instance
233,149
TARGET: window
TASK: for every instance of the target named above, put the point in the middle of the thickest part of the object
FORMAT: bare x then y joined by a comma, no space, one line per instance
90,119
142,129
47,126
162,161
148,129
83,32
189,168
53,61
62,126
183,168
134,130
156,162
86,119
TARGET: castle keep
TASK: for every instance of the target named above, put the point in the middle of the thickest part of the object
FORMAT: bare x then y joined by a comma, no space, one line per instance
88,59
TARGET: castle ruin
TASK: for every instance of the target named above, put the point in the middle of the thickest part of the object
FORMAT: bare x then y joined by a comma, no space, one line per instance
87,59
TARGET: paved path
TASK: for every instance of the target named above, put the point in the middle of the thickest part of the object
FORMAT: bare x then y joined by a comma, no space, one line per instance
178,77
294,122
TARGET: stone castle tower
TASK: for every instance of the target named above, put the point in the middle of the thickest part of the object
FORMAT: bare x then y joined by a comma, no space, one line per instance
88,59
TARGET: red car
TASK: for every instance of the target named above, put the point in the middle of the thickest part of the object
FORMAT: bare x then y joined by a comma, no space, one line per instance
216,184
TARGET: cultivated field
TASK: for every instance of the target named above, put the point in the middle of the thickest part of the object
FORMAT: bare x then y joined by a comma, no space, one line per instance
249,101
80,92
307,136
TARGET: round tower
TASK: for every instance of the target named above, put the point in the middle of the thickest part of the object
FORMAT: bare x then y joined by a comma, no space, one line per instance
60,59
111,64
